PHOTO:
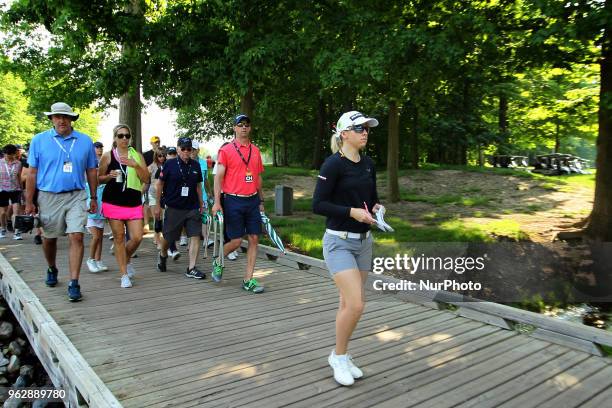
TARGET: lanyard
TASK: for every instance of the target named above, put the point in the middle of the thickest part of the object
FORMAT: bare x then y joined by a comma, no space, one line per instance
64,150
125,176
246,162
8,170
185,178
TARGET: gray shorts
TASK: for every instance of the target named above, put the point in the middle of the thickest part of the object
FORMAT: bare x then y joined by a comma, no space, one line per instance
350,253
62,213
175,220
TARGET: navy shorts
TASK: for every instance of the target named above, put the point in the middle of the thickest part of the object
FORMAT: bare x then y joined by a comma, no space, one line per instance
241,216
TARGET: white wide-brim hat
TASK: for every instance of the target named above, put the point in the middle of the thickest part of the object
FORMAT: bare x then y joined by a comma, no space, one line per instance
61,108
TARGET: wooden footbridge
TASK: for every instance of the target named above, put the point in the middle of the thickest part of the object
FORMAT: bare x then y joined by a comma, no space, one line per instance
170,341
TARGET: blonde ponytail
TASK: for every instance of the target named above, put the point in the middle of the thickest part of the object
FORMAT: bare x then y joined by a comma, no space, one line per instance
335,142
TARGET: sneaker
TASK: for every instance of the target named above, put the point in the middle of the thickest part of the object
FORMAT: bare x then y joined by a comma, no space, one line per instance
161,262
342,371
74,292
101,265
208,243
126,282
195,273
183,241
17,236
92,265
9,225
175,255
111,237
252,286
37,239
217,271
130,270
2,233
232,256
51,276
355,371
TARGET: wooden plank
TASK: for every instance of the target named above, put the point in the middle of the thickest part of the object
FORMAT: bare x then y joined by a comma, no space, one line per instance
541,393
484,376
505,392
581,392
429,389
391,362
568,341
214,372
483,317
269,380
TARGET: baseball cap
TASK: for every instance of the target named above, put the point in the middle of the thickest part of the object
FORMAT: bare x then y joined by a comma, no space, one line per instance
354,118
184,142
154,139
98,144
241,118
171,150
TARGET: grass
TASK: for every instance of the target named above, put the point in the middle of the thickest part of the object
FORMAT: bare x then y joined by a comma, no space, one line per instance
456,199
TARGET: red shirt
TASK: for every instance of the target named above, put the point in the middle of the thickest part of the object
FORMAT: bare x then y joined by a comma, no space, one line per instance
234,181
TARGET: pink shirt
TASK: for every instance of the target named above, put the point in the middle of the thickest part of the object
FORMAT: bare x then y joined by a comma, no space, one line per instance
235,179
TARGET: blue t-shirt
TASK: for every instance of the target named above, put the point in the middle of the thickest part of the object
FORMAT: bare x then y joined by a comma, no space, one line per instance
177,174
49,153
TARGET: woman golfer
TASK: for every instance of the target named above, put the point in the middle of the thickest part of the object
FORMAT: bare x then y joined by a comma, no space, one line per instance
345,194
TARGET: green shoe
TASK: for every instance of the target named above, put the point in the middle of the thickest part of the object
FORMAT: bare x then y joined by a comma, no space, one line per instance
217,271
252,286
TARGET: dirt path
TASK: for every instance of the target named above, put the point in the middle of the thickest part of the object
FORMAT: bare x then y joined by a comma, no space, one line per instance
537,206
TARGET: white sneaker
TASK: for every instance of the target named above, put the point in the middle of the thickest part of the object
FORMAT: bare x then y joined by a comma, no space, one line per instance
3,233
126,282
92,265
130,270
342,371
175,255
101,265
232,256
183,241
17,236
355,371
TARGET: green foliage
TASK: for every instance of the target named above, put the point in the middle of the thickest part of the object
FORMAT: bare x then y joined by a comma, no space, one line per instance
16,124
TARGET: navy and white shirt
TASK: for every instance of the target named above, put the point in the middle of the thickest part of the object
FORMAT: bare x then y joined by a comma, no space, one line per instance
177,174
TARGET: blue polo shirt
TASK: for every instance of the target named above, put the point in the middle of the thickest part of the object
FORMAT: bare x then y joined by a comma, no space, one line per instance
49,151
177,174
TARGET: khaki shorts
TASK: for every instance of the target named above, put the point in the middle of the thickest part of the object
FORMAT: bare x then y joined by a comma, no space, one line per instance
62,213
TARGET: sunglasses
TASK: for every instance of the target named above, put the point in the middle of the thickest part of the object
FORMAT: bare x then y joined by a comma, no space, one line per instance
243,125
123,135
186,149
360,129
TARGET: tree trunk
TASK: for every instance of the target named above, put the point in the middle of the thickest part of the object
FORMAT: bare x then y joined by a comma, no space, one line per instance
600,225
274,162
480,155
414,142
247,104
285,156
129,114
129,103
317,154
393,154
557,141
503,123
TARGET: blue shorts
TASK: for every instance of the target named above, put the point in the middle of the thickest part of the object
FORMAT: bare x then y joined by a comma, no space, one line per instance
350,253
241,216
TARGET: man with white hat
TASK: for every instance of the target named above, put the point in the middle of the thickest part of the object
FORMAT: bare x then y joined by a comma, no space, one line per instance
60,160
